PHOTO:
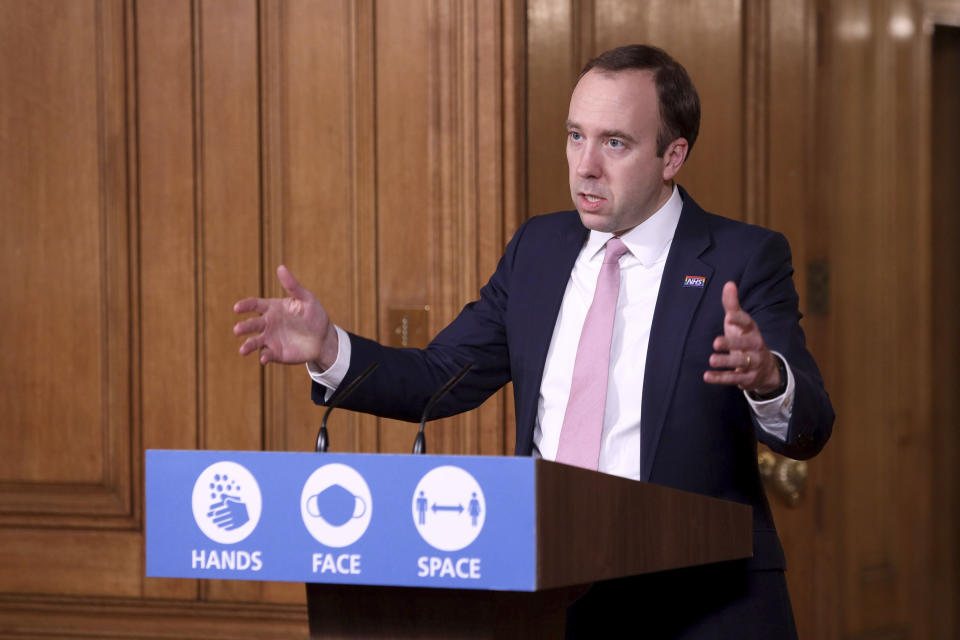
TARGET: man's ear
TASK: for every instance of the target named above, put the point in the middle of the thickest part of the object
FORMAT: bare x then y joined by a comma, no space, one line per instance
674,157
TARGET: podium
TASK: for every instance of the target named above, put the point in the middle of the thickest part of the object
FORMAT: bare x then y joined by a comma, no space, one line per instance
424,546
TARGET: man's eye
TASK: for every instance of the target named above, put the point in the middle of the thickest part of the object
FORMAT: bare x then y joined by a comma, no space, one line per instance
575,136
616,144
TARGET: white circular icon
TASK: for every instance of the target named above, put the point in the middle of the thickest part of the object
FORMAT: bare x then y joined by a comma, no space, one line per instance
335,505
448,508
226,502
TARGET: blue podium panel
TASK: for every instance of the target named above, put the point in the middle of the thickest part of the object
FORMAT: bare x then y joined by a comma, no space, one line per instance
462,522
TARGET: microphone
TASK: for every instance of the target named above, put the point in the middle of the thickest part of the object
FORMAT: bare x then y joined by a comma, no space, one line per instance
323,442
420,444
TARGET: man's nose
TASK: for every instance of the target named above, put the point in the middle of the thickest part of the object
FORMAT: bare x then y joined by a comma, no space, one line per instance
589,163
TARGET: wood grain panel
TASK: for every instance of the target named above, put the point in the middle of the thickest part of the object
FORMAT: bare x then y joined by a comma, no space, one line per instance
67,373
227,75
229,249
882,324
315,224
945,202
76,562
168,237
551,72
786,199
89,617
407,231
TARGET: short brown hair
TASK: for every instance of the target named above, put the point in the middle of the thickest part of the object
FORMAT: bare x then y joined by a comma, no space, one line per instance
678,100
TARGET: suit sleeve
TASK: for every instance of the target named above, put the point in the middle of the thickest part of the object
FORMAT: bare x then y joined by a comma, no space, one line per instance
407,378
767,293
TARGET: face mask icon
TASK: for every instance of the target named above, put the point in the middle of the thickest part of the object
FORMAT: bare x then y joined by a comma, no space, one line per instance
336,505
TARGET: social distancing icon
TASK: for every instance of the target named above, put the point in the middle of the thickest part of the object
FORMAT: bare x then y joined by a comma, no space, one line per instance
448,508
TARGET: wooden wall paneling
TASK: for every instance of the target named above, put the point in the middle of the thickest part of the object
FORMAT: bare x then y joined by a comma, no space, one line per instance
553,62
942,34
227,78
452,168
66,496
847,29
24,618
229,211
454,171
493,147
166,112
365,205
407,233
757,96
64,177
73,562
882,320
318,164
912,436
515,180
786,200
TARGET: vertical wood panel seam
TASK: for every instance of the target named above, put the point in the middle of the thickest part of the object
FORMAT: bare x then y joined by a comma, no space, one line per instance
350,107
196,23
102,150
135,351
261,203
358,20
755,98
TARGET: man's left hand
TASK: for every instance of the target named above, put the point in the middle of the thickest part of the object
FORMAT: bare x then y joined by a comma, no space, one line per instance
741,357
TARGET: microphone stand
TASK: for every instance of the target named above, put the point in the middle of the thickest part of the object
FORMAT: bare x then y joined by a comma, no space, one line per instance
420,444
323,440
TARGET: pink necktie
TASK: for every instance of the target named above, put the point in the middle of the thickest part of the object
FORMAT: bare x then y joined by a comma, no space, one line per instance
583,419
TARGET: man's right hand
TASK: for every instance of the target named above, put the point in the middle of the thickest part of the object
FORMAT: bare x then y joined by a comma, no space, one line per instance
291,330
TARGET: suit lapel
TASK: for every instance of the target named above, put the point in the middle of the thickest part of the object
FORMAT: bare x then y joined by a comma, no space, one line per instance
674,311
549,275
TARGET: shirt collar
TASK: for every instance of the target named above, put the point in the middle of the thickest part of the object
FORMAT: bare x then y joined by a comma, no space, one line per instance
649,239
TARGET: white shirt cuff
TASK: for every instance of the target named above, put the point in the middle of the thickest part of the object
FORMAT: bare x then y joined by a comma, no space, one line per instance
773,415
332,377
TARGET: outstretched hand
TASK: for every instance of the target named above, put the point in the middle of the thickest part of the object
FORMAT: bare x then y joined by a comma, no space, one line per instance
741,357
290,330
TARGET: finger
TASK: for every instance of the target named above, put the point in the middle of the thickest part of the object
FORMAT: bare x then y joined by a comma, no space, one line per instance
290,284
256,324
247,305
730,298
734,377
746,342
251,344
266,355
739,360
740,319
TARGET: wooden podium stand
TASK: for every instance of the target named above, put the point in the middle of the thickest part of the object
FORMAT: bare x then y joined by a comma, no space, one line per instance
356,528
589,526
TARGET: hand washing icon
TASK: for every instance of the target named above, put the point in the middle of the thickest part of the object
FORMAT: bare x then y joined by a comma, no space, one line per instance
336,505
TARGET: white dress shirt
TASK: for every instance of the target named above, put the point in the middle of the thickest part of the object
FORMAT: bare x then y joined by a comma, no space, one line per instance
641,269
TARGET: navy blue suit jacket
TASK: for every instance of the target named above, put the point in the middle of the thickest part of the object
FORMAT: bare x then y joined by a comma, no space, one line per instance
694,436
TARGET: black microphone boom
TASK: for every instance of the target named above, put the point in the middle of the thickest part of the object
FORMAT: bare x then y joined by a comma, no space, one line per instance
420,444
323,442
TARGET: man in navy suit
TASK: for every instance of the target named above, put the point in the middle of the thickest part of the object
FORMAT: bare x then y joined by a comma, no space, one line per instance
706,359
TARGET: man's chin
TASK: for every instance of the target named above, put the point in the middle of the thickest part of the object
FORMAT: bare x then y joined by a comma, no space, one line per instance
597,222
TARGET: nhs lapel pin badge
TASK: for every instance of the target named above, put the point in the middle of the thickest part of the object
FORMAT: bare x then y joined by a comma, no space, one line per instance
697,282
